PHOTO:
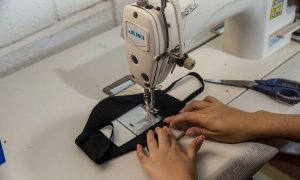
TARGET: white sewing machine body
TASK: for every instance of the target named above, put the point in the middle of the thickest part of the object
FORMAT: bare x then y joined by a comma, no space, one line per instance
40,130
254,29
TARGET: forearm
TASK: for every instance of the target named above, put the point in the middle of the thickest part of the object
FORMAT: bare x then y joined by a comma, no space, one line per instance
278,126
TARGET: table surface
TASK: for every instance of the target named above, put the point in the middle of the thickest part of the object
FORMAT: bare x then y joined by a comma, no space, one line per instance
44,108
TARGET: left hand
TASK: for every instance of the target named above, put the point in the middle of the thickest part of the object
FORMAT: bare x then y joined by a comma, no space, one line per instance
215,120
166,161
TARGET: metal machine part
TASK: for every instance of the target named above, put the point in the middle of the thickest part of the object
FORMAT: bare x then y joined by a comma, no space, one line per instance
139,120
130,125
149,101
119,86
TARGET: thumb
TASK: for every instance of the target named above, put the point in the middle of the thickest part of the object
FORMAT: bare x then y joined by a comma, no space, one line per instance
194,147
194,131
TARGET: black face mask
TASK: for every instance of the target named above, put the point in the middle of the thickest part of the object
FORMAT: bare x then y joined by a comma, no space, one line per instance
100,148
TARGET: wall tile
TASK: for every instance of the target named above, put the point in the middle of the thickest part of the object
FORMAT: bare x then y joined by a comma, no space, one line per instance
67,7
17,19
118,8
57,37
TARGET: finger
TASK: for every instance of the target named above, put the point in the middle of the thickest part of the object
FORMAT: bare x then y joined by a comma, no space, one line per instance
197,131
196,105
212,99
193,131
168,120
194,147
171,136
163,138
188,117
141,154
151,141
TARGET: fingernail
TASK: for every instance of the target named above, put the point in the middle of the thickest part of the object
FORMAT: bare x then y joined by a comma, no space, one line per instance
167,120
200,139
138,146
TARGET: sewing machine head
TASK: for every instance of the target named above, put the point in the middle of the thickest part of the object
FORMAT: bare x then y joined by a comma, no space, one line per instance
150,54
154,33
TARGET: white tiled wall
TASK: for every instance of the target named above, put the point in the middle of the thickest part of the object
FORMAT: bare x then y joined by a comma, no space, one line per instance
22,18
65,8
118,7
33,29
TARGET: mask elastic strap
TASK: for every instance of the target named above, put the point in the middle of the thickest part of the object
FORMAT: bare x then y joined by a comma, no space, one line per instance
195,93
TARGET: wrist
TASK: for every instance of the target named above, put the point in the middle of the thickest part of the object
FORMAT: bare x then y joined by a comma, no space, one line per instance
267,124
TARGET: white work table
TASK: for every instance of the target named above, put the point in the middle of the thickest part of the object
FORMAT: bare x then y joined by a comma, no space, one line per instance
44,107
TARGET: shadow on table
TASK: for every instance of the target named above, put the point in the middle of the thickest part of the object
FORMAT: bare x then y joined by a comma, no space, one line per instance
90,78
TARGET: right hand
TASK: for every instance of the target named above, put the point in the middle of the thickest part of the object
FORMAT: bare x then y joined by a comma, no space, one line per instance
218,121
166,160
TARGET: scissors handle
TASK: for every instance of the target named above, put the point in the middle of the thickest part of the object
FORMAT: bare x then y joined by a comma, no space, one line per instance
279,82
283,94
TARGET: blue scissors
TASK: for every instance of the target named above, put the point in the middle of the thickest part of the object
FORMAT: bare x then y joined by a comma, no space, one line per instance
283,90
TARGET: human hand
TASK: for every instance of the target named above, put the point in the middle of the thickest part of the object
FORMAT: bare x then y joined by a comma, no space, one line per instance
218,121
166,161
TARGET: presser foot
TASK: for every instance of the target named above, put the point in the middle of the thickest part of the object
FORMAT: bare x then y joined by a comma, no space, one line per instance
138,119
149,101
151,110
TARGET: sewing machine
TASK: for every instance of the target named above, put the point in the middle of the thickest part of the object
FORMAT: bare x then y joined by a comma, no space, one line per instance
43,147
157,32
